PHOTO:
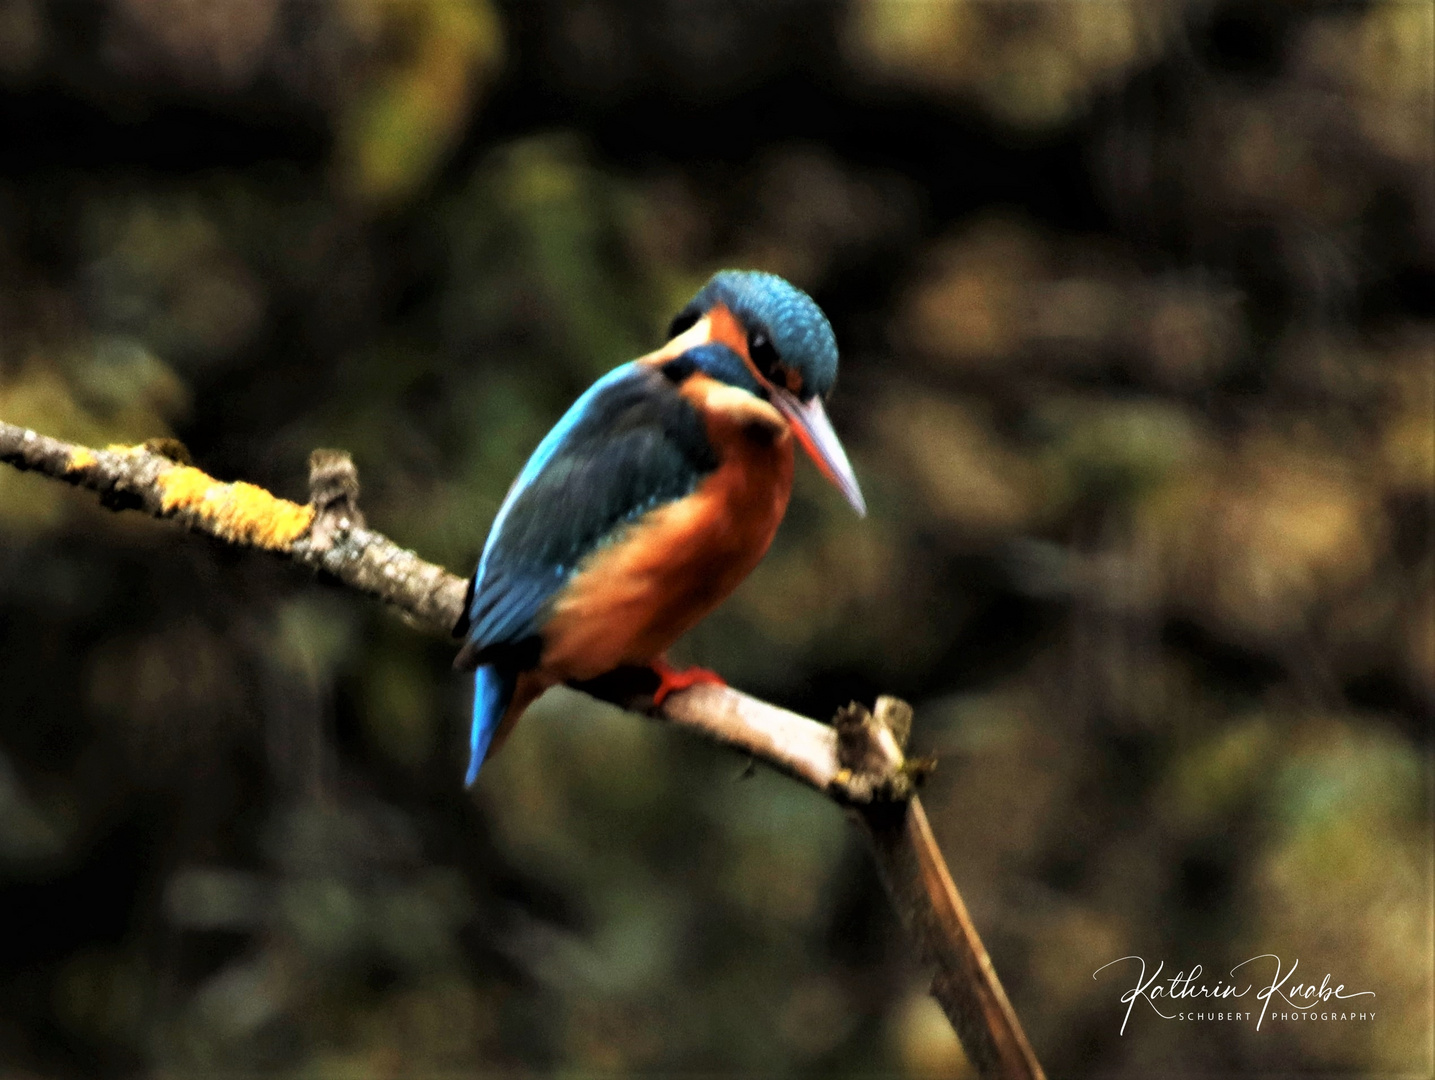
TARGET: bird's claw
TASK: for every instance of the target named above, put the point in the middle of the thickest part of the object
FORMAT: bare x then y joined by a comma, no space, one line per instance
671,680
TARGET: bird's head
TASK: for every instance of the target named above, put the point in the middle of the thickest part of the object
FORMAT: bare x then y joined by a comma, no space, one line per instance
787,351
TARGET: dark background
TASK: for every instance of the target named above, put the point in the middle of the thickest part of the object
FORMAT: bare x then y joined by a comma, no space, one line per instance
1135,308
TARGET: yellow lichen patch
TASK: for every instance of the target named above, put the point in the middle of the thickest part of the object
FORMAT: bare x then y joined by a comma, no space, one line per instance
257,517
184,488
81,458
238,512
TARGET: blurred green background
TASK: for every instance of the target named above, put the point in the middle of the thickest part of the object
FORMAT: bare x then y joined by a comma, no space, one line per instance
1137,306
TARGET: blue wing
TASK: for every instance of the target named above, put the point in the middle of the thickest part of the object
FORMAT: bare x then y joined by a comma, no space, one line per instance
631,443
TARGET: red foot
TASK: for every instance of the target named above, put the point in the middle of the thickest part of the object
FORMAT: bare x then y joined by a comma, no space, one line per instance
672,680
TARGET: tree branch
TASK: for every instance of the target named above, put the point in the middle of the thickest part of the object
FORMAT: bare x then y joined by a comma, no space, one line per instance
858,761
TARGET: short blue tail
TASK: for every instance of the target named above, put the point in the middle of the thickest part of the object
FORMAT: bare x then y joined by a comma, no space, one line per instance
492,691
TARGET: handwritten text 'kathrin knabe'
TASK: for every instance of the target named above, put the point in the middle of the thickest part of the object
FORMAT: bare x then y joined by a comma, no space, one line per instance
1305,998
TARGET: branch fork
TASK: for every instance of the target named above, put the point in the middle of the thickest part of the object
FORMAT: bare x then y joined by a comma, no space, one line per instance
871,749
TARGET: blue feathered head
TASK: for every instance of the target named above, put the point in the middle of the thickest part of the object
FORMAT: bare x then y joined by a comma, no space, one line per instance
789,339
793,356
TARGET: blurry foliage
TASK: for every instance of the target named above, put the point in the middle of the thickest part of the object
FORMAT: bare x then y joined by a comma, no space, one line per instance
1030,65
1134,302
431,58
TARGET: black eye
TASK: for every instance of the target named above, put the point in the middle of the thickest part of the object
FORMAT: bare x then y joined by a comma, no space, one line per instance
764,355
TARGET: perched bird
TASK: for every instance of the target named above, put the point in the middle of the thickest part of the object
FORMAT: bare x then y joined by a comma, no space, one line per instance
654,496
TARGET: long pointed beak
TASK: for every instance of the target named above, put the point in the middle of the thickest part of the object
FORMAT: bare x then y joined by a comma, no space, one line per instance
814,432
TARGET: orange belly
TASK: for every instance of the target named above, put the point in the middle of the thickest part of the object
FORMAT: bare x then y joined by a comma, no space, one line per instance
639,594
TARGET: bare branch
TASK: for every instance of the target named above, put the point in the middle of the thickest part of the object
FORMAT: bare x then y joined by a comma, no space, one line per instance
859,761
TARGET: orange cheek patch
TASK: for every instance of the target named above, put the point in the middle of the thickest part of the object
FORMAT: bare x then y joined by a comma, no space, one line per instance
726,330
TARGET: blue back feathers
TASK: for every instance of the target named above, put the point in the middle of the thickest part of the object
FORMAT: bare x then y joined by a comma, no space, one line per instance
789,317
628,445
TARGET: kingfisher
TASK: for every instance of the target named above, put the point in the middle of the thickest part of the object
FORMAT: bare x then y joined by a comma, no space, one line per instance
651,499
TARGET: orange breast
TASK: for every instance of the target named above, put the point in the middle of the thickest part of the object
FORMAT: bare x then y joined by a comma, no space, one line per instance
639,594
